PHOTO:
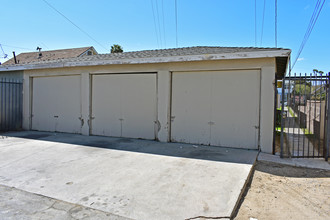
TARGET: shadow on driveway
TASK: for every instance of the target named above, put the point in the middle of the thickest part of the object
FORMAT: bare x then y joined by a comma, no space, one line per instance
138,179
192,151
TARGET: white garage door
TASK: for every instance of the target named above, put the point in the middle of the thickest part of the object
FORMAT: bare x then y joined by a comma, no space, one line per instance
124,105
56,104
219,108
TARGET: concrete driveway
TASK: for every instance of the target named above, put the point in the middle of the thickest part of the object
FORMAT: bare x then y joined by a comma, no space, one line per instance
132,178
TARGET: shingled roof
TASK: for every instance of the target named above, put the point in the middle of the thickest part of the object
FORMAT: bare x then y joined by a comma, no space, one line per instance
33,57
185,54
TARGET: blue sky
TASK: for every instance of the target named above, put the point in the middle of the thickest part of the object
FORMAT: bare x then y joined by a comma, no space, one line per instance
130,23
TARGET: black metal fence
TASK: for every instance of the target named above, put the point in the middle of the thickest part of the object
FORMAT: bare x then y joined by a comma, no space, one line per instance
11,104
303,116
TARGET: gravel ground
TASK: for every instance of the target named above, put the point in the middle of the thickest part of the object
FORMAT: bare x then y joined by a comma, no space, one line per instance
286,192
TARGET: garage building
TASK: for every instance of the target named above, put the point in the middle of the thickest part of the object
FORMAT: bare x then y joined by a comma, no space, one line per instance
220,96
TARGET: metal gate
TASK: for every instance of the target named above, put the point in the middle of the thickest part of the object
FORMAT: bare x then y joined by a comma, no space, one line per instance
11,104
303,113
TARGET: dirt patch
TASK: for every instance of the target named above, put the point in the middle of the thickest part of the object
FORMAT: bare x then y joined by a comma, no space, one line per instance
278,145
286,192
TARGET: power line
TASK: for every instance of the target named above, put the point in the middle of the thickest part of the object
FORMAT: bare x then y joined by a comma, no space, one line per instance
163,23
176,22
276,23
310,27
311,21
44,45
255,22
88,35
263,21
23,48
153,14
159,28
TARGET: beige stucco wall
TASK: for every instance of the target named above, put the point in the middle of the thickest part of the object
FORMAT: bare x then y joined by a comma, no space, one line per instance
267,108
265,65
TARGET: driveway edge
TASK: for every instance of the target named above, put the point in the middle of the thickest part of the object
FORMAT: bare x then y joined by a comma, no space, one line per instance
244,189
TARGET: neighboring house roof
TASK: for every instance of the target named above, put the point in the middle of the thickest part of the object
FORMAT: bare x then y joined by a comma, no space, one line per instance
31,57
163,56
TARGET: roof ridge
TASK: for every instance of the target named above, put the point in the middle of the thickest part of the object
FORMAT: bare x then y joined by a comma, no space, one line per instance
205,52
192,47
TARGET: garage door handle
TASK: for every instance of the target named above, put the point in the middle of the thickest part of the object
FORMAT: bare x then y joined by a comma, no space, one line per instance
172,118
55,116
82,121
157,123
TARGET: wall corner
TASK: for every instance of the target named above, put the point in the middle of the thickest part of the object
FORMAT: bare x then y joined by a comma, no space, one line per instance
267,109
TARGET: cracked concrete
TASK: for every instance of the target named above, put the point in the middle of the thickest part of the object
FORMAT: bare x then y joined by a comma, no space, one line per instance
208,218
132,178
18,204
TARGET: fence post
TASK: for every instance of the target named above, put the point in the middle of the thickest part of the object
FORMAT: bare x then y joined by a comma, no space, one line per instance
328,121
282,119
275,112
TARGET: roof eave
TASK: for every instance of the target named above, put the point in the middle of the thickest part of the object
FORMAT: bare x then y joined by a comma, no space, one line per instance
184,58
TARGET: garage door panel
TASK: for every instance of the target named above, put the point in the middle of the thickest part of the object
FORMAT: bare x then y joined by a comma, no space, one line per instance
139,106
219,108
235,108
106,106
56,104
185,106
128,108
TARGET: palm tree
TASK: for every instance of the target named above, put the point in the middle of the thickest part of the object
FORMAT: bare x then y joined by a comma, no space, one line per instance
116,48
